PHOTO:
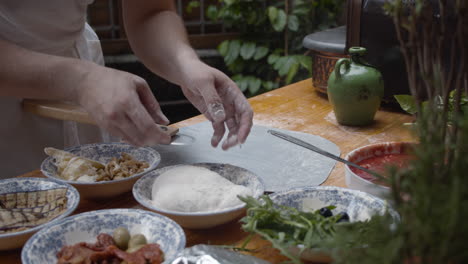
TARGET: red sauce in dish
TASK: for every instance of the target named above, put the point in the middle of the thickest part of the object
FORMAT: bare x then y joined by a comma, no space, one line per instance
380,164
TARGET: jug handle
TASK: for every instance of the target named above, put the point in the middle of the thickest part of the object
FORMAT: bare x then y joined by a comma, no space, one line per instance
338,66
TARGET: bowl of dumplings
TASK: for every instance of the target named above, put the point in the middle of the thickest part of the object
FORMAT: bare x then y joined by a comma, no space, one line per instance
198,196
100,170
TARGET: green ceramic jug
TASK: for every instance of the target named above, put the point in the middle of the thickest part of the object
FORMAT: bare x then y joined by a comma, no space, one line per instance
355,89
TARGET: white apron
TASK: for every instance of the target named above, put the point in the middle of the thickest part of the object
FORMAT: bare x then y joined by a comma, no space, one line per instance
56,27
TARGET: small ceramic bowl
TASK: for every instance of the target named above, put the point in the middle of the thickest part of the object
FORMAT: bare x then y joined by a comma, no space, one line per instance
104,152
200,220
356,182
44,245
360,206
17,185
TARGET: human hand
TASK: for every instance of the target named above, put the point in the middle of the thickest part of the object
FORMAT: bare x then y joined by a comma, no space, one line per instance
218,98
122,104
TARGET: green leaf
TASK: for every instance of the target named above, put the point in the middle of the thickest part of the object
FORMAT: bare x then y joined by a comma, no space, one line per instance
280,21
261,52
191,5
280,62
233,51
242,82
305,62
229,2
272,14
452,94
223,48
269,85
236,77
293,23
288,63
212,12
418,7
251,17
302,11
254,84
292,72
247,50
273,58
407,103
237,66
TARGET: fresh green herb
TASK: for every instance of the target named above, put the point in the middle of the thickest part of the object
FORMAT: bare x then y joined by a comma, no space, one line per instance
287,228
409,105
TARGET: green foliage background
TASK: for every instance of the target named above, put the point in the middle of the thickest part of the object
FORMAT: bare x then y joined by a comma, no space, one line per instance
269,53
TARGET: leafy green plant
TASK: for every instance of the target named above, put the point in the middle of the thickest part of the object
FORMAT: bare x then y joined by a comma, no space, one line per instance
191,5
269,52
408,103
286,228
431,197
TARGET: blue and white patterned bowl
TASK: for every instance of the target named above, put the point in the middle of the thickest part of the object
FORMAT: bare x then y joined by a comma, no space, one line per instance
104,152
200,220
360,206
17,239
44,245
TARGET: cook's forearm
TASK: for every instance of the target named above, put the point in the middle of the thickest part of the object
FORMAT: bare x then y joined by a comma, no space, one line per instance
159,39
28,74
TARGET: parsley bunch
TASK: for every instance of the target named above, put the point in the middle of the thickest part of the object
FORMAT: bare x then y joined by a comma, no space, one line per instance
286,228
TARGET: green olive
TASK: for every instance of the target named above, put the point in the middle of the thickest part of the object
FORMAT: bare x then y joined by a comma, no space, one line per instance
135,248
137,239
121,237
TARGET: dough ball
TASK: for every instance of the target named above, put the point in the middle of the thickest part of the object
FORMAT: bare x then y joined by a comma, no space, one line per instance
195,189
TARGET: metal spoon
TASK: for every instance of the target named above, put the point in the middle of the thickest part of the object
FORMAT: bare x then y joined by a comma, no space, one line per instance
319,151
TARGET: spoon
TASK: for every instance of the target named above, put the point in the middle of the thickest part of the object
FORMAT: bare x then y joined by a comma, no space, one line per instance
320,151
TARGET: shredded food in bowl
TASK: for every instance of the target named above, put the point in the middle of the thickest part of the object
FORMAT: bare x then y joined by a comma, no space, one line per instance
75,168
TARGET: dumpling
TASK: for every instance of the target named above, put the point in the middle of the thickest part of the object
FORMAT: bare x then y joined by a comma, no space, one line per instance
71,167
61,158
79,167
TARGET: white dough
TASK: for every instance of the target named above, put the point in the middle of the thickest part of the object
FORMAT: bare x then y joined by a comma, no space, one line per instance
195,189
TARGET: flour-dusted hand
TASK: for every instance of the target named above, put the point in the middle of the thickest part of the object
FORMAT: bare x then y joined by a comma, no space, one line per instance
122,104
158,37
217,97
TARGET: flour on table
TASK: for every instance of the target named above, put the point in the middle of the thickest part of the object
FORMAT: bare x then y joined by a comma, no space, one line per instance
195,189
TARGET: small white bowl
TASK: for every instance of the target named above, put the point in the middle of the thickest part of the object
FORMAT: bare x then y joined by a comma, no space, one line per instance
359,206
104,152
85,227
356,182
14,240
200,220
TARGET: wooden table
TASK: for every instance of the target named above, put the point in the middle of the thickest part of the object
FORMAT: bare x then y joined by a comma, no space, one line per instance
295,107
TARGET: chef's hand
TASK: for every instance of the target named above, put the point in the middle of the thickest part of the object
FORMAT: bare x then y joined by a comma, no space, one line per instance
122,104
218,98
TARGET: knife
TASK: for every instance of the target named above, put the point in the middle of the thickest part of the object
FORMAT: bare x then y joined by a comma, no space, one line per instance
320,151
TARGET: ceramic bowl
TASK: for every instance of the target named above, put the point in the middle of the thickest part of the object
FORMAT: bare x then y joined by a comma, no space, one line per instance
200,220
356,182
104,152
44,245
15,185
360,206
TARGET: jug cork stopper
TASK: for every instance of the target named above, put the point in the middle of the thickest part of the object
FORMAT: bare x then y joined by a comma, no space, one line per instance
357,51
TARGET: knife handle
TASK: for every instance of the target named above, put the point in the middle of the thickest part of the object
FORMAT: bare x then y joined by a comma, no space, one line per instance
66,111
